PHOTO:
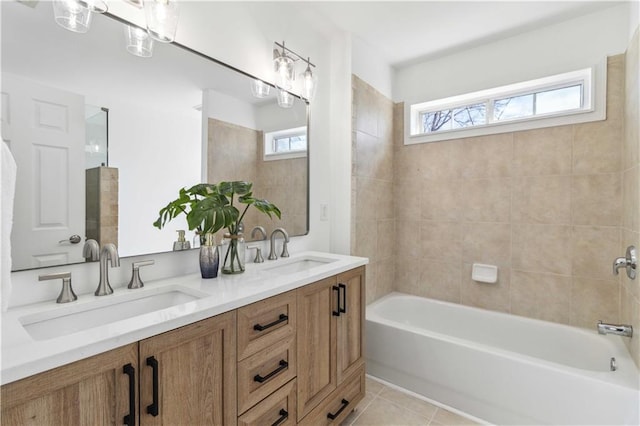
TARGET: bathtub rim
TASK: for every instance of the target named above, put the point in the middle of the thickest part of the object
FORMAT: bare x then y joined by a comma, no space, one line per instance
630,380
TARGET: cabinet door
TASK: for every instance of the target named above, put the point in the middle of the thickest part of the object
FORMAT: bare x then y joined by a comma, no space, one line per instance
316,326
92,391
350,334
192,371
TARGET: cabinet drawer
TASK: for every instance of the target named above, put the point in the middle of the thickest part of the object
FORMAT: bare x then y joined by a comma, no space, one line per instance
263,323
264,372
339,404
279,408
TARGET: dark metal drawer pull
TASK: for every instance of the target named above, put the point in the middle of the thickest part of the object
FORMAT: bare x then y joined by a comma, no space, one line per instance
153,408
281,318
343,287
283,416
283,365
337,413
336,313
130,419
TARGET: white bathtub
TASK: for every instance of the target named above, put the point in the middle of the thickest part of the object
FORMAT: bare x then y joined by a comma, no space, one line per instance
501,368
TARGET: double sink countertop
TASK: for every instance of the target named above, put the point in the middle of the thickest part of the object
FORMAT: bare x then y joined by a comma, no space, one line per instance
41,336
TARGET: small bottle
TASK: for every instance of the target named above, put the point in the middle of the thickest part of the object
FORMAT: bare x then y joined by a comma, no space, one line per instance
182,243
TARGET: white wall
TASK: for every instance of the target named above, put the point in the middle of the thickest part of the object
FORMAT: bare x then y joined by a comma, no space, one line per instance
574,44
370,66
228,108
634,18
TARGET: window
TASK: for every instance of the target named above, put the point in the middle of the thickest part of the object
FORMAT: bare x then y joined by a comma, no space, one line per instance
288,143
505,108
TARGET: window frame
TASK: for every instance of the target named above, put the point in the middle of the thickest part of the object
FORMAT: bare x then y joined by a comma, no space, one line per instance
269,140
592,79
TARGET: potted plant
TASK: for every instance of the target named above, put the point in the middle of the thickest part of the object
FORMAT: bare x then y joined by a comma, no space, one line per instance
212,207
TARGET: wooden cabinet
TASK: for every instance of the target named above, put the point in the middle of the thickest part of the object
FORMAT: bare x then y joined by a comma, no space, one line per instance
295,357
92,391
330,345
337,406
350,334
279,408
188,375
191,371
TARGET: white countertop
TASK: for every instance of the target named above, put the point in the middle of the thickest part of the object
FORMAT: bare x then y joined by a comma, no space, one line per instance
23,356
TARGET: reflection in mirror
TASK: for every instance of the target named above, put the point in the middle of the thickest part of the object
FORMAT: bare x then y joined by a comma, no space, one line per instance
159,115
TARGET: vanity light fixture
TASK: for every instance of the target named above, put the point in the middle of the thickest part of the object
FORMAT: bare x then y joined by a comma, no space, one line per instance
95,6
260,89
285,99
162,19
285,72
72,15
309,82
284,61
139,42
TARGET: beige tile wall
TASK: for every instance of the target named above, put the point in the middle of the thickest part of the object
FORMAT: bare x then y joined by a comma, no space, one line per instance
373,214
630,229
282,182
545,206
101,199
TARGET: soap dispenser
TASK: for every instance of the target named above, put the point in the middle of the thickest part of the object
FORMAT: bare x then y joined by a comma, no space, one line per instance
182,243
209,257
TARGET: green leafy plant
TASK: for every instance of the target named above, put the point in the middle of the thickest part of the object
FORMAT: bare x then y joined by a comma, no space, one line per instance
212,207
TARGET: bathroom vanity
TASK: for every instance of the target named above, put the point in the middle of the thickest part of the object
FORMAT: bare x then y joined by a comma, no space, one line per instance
280,344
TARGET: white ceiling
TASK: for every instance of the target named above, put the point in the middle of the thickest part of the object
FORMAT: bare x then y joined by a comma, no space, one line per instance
406,32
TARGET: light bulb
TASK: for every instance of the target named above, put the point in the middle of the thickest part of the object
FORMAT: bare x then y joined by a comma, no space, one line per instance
162,19
309,84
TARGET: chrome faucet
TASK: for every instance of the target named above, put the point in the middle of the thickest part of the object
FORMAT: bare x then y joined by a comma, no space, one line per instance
272,252
108,252
629,262
91,250
617,329
261,230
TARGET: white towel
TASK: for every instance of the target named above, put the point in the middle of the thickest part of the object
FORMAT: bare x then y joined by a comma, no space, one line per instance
8,171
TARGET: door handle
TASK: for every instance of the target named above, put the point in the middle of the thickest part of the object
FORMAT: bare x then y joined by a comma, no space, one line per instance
74,239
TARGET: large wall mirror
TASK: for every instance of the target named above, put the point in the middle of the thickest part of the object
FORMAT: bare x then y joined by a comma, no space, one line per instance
104,139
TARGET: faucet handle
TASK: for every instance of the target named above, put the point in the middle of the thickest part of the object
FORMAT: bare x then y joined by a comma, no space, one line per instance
136,282
629,262
258,258
66,293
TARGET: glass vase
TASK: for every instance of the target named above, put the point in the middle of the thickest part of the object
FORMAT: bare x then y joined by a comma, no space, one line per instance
233,249
209,261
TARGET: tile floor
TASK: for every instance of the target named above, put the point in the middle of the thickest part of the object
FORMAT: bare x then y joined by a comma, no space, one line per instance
383,405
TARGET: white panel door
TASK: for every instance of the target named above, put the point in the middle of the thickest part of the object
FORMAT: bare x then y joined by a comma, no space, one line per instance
47,141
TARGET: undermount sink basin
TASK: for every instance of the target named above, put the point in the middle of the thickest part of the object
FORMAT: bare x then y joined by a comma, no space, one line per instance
290,266
103,311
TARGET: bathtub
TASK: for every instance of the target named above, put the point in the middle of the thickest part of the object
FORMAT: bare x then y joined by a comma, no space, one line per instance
501,368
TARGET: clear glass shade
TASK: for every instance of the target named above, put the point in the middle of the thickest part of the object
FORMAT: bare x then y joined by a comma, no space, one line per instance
309,84
260,89
138,41
285,99
285,71
72,15
162,19
95,6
